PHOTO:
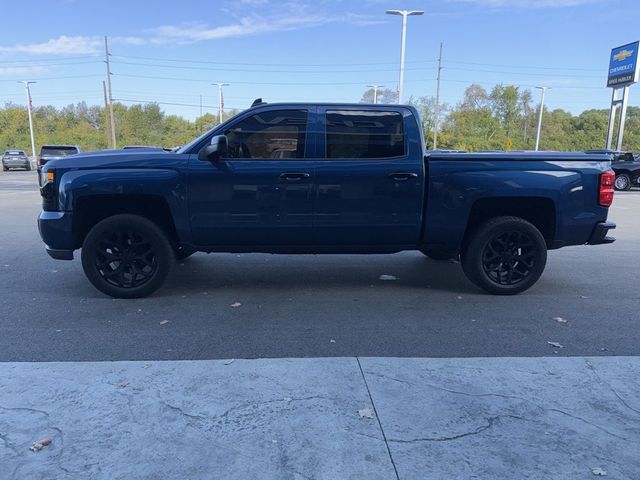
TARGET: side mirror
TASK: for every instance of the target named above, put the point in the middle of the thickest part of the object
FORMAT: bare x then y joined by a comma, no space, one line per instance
216,150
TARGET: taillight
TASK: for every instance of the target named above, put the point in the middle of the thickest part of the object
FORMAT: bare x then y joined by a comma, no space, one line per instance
607,180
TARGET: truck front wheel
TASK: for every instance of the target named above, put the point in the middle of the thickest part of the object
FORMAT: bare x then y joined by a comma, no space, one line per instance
126,256
505,255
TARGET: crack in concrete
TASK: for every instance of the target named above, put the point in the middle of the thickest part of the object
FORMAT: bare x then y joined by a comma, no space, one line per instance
8,444
490,423
540,407
591,367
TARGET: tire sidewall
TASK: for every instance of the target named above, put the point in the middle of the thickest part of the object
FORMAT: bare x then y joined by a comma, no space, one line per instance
472,258
156,238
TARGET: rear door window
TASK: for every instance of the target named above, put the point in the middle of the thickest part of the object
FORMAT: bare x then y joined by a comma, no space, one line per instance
364,134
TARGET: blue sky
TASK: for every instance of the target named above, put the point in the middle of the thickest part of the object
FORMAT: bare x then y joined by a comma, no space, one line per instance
308,50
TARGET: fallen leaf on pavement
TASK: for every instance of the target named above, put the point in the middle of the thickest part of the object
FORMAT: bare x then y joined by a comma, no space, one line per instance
164,322
555,344
332,341
387,277
40,444
236,305
599,472
229,362
560,319
146,365
459,297
365,413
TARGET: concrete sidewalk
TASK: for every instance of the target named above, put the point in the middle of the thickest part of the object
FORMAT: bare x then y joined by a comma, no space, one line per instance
486,418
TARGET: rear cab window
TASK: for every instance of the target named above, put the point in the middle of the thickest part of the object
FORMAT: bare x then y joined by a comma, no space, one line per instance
366,134
56,151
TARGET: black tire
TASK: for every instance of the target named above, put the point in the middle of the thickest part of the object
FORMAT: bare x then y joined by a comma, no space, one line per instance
5,169
28,167
126,256
505,255
623,182
435,254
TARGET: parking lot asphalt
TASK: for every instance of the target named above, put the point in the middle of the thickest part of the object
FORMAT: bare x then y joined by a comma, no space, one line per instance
312,306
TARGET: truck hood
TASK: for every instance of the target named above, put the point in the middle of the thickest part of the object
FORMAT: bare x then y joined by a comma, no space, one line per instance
133,158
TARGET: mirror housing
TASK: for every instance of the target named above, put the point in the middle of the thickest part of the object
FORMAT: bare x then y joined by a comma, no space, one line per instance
216,150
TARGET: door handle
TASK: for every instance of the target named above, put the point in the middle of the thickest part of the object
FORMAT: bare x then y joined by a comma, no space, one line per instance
402,176
294,176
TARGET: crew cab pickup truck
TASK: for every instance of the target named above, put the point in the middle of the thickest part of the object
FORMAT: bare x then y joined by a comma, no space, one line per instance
321,178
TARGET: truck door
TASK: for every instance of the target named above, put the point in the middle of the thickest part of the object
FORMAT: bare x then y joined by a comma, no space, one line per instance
370,177
261,193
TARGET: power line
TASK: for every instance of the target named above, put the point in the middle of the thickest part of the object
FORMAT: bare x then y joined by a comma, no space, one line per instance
523,73
182,60
226,69
53,78
534,67
48,59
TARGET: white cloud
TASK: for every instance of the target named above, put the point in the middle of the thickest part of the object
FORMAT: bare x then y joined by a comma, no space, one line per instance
27,70
529,3
63,45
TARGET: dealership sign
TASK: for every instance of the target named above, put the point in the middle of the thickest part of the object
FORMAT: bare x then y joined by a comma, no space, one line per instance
623,65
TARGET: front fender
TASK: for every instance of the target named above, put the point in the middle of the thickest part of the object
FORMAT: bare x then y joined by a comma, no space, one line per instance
166,183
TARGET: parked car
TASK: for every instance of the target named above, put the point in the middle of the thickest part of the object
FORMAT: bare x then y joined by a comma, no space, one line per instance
353,178
626,165
54,152
15,159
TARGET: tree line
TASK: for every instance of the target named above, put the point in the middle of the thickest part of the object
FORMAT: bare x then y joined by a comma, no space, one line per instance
502,118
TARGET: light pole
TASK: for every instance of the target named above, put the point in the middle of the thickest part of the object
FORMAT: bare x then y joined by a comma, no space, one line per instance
404,14
375,92
544,89
220,99
29,106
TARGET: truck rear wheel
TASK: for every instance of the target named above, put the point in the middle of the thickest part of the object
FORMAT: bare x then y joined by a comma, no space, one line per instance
126,256
505,256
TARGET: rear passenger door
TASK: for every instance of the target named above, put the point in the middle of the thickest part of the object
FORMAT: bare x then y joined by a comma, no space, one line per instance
369,177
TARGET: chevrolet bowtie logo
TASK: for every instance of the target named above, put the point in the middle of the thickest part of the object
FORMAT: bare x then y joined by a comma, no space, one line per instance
622,55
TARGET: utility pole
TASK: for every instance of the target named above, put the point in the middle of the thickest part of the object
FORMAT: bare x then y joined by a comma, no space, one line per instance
404,14
29,107
436,123
111,119
375,92
107,130
544,89
200,105
220,99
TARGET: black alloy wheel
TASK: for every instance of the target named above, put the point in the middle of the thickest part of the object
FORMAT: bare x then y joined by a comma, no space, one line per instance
505,255
127,256
508,258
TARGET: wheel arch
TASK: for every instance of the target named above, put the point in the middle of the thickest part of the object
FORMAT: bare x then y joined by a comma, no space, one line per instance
539,211
91,209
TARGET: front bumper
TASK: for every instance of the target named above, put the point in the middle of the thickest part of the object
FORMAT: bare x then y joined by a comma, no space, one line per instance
599,234
57,233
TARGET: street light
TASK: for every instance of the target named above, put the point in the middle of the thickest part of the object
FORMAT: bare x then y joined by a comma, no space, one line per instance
375,92
405,14
220,99
544,89
28,91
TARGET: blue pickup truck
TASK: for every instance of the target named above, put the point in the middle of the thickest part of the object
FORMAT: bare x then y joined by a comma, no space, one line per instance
321,178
